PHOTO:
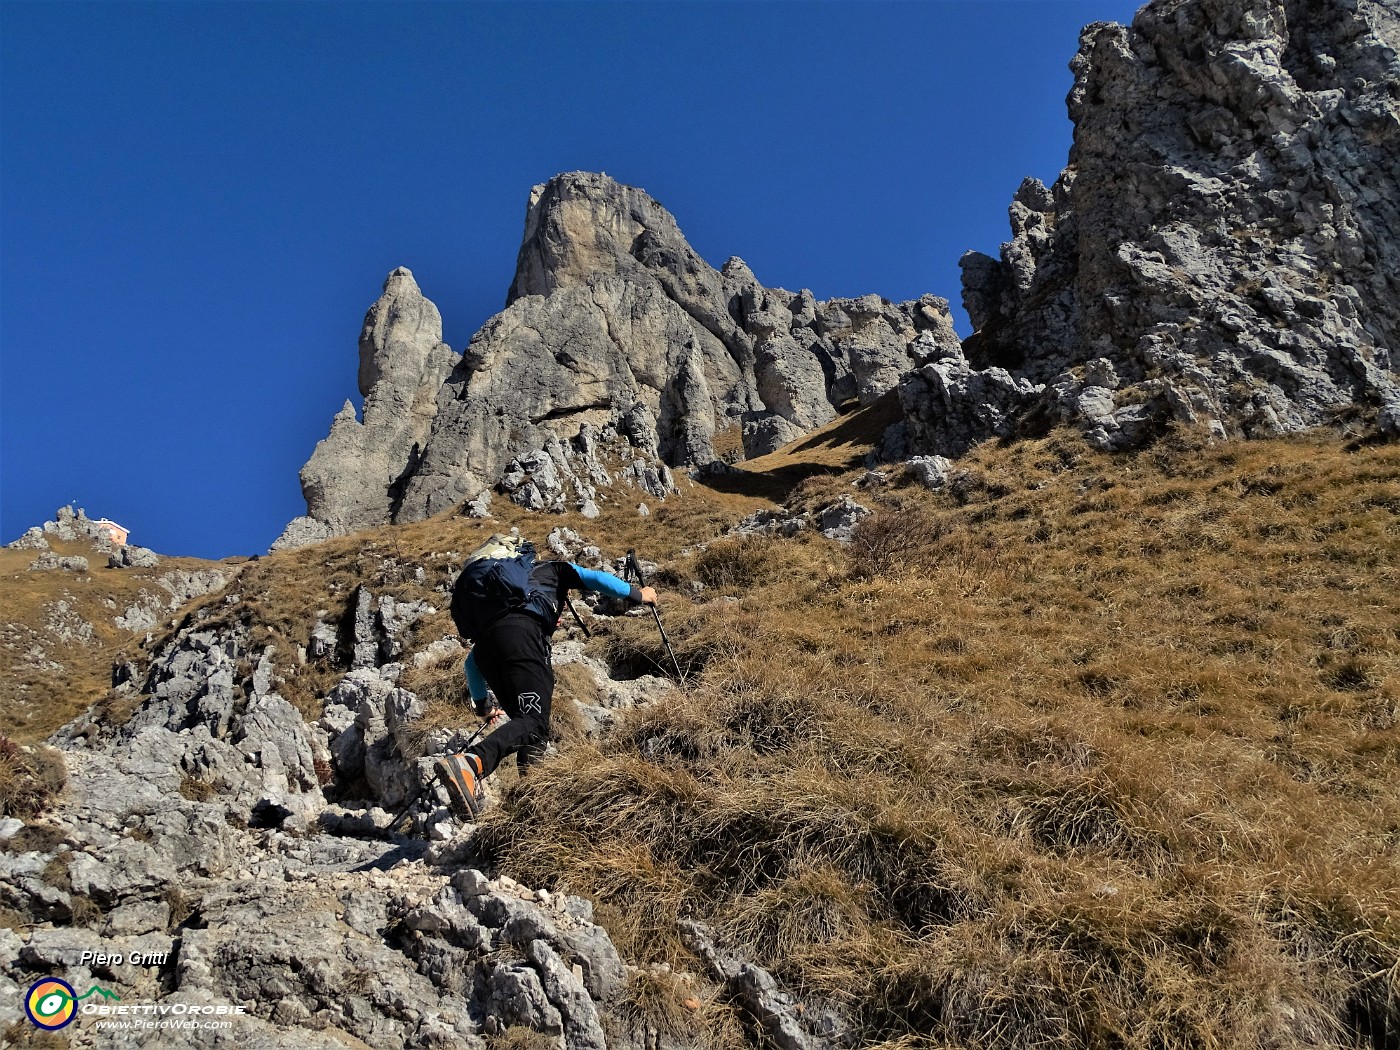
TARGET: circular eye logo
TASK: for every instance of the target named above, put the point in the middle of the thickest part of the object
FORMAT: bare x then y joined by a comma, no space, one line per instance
51,1003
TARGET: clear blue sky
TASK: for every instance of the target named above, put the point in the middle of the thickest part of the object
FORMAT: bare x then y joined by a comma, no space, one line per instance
199,201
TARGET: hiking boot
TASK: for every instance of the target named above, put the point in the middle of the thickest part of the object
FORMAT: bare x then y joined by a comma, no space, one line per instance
461,776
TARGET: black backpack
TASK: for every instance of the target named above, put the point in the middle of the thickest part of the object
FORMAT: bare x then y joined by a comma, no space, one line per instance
494,581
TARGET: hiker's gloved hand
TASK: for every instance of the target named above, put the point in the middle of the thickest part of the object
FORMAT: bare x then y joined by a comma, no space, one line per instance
648,595
486,705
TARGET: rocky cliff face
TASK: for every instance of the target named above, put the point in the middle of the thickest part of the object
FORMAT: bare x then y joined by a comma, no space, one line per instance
355,477
620,351
1223,248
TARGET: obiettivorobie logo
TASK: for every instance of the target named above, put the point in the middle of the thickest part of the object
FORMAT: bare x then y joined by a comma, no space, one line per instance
52,1003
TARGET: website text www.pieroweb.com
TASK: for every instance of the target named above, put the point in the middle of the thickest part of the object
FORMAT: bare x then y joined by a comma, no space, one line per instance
53,1004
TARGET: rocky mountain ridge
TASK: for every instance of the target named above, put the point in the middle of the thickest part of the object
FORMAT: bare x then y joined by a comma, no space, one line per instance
1221,252
1223,249
620,353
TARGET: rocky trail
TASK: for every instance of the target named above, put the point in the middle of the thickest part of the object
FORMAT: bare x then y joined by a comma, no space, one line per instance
218,850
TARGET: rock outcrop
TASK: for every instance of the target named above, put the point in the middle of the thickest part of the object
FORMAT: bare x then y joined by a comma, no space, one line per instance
355,477
49,560
620,352
1223,248
777,1016
195,840
180,586
834,520
1221,251
68,526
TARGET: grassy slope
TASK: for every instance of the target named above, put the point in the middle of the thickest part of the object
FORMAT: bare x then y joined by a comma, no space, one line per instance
34,698
1091,751
839,446
1094,752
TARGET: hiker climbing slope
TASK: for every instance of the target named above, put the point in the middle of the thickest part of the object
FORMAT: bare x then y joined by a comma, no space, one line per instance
509,605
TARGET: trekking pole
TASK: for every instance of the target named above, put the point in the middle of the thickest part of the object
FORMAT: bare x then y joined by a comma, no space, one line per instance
472,739
423,788
633,566
577,618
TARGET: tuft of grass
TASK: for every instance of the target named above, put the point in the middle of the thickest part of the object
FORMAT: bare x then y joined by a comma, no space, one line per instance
30,778
84,911
518,1037
358,982
892,542
814,906
657,1000
740,564
55,873
182,906
436,715
440,682
566,722
37,838
196,790
578,683
14,920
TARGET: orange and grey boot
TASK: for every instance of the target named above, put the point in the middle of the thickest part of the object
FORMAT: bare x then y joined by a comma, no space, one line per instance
461,776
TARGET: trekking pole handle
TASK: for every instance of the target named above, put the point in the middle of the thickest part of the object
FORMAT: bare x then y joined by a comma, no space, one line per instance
634,568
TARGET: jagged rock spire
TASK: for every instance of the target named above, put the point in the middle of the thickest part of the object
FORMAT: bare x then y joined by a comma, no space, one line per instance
618,345
353,479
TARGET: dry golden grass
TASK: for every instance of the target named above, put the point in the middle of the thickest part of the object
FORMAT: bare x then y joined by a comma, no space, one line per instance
518,1037
661,1007
440,681
34,699
1086,751
835,448
30,778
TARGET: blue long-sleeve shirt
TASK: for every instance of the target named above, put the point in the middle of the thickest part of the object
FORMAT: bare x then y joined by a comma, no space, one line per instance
476,684
561,577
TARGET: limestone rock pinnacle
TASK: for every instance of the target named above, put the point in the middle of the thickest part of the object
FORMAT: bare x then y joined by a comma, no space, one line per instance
1224,246
354,477
620,353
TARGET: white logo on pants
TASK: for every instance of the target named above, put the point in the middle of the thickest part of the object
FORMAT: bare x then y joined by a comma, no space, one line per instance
529,703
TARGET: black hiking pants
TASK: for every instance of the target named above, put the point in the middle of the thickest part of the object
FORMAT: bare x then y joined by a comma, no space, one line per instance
514,658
